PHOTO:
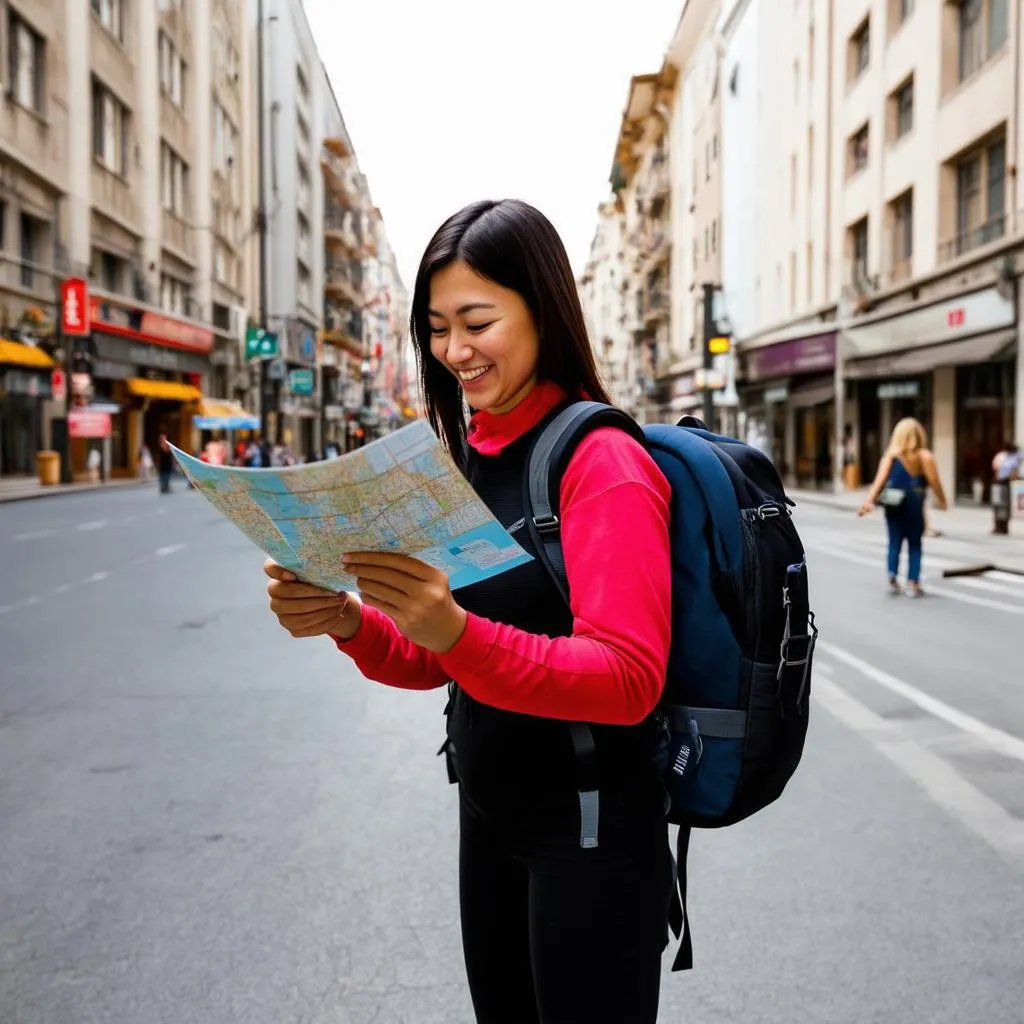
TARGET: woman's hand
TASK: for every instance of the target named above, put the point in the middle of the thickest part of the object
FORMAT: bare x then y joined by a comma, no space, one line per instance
866,508
305,610
415,595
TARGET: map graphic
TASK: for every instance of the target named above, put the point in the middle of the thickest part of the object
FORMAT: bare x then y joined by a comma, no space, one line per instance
401,493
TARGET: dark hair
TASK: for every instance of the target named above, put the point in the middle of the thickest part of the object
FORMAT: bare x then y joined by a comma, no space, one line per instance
514,245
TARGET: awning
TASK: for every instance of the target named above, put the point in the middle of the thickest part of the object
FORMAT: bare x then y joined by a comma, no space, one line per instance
14,353
220,414
979,349
164,390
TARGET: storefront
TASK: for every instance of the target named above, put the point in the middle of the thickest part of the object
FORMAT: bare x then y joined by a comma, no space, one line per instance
150,370
787,392
24,388
950,365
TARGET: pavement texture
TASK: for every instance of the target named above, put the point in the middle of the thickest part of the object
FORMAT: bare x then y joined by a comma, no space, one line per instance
204,820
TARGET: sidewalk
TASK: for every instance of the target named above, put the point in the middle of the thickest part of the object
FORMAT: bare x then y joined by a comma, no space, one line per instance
959,523
23,488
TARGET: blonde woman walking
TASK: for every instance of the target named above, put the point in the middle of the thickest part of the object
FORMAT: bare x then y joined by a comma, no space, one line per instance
906,472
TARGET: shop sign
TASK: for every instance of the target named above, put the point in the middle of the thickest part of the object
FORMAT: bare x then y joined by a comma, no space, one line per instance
899,389
74,306
130,320
86,423
58,385
31,385
132,354
774,396
936,324
259,343
300,382
813,354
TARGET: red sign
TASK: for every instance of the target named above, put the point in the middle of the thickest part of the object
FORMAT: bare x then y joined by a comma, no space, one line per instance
83,423
58,385
956,317
74,306
127,320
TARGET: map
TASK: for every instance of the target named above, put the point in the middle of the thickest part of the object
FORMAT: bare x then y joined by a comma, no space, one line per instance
401,493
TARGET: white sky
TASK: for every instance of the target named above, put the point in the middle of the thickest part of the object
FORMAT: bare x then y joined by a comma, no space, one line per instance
448,101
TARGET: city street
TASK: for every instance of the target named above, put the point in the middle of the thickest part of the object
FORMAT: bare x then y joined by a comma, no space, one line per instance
204,820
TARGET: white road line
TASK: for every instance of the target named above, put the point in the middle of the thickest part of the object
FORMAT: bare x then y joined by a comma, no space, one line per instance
96,577
35,535
977,811
62,589
1016,578
879,564
170,549
999,741
95,524
993,588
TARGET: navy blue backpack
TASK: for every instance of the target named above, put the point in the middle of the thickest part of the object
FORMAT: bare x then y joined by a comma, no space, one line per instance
736,699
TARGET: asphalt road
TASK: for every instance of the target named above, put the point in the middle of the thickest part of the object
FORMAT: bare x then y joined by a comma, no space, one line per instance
203,820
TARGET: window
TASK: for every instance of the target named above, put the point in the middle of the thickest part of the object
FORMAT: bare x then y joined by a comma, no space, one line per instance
110,123
27,64
810,274
714,235
304,247
173,181
998,24
906,9
858,247
172,71
810,52
305,287
904,104
792,281
980,197
304,184
303,83
111,16
860,50
225,141
810,155
796,81
857,158
982,28
792,183
32,231
902,212
304,137
175,295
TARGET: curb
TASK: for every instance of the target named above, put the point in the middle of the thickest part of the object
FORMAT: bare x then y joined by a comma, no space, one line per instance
66,490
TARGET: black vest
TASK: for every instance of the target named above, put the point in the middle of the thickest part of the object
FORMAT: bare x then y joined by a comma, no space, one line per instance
504,758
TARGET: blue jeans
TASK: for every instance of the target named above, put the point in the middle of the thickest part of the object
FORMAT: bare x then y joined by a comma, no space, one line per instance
910,528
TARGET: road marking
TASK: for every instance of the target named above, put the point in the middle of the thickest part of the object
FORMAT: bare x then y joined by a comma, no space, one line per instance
62,589
95,524
953,595
170,549
999,741
975,810
1006,577
992,588
35,535
96,577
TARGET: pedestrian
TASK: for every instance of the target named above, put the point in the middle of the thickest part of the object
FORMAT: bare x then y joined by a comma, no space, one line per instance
1007,463
904,475
551,931
165,464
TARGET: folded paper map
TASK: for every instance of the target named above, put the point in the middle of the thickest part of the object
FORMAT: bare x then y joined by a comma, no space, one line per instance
400,493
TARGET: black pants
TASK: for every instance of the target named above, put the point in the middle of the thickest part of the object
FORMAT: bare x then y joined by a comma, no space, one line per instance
556,934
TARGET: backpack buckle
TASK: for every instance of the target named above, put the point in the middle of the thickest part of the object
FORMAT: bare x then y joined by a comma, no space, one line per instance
548,523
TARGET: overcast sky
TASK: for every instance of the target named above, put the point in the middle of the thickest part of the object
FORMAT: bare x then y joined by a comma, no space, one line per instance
448,101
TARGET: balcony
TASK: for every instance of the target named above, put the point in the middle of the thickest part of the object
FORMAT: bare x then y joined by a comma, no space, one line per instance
338,230
340,280
973,238
655,308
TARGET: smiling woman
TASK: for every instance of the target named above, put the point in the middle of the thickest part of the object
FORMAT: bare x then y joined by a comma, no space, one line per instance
564,910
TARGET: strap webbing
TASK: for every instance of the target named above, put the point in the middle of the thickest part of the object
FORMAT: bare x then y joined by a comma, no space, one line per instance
712,723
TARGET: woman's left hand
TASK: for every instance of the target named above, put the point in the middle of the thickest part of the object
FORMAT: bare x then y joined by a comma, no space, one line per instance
415,595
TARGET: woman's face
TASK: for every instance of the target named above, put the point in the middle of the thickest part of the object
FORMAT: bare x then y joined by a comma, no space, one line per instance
485,335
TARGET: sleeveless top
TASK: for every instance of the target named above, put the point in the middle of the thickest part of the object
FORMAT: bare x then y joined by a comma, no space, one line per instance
504,759
915,485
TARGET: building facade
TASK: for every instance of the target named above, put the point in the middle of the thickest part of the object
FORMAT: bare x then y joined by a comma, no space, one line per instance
870,249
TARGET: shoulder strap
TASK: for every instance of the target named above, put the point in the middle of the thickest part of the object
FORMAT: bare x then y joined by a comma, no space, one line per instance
548,458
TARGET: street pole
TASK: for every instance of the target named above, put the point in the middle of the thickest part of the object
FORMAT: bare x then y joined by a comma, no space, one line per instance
709,333
261,216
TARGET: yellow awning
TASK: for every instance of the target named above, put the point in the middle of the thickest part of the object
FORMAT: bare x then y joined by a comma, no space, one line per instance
14,353
165,390
220,408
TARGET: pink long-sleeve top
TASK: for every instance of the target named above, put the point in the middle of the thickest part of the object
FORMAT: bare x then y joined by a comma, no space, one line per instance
614,509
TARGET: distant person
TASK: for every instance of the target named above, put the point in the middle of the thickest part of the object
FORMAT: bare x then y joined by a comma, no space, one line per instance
1006,466
554,929
165,464
904,475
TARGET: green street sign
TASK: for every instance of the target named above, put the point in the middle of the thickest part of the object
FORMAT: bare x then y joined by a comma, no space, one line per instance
301,382
259,343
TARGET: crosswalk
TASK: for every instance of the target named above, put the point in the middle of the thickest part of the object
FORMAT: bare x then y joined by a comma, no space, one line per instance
996,590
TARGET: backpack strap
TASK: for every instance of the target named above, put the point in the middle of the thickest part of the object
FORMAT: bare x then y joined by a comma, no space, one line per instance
548,458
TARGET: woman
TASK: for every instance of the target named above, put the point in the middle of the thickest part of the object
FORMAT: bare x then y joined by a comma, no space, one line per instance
552,932
904,475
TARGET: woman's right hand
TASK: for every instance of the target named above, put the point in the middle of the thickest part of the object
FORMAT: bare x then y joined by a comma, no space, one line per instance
305,610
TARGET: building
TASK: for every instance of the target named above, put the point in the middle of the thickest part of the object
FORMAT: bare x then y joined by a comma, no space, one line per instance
601,289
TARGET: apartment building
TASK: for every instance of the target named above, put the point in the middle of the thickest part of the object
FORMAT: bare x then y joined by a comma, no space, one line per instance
602,296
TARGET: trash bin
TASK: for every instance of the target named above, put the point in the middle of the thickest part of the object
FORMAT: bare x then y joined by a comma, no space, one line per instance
48,468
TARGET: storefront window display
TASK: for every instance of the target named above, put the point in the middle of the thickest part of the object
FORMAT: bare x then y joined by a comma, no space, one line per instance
882,404
815,430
